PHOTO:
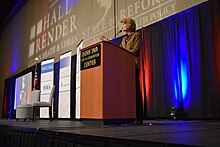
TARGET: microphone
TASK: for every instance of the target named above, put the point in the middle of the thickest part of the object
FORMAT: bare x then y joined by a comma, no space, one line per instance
117,33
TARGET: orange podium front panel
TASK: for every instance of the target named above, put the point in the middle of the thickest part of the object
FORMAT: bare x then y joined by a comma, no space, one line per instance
107,88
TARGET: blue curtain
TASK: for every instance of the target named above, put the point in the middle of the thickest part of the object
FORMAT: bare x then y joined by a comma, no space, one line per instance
182,66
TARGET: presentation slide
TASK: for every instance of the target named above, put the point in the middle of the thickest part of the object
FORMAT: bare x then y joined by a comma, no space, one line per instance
46,83
23,86
79,47
64,86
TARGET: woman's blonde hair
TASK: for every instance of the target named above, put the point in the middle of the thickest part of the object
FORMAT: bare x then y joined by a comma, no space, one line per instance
131,22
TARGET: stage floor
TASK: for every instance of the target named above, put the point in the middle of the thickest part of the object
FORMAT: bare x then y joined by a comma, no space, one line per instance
152,132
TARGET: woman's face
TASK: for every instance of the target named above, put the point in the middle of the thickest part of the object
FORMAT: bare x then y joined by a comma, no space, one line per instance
126,27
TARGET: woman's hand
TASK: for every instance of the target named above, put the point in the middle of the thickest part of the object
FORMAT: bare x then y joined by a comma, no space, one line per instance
103,38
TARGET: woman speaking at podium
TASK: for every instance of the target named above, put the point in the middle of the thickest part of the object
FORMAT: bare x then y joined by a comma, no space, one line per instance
132,42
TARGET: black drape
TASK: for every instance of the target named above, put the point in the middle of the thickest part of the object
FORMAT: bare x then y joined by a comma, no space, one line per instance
177,66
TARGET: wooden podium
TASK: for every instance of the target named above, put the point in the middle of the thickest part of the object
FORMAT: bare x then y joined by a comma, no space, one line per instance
107,90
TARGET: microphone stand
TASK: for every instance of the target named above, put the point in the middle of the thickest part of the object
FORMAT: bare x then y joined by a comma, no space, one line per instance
117,33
